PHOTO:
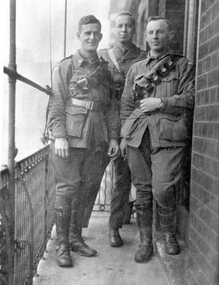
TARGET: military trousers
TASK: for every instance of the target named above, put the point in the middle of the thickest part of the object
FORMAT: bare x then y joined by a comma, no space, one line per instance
78,179
156,173
120,194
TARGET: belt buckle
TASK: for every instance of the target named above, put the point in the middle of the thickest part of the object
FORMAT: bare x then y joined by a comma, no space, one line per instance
89,105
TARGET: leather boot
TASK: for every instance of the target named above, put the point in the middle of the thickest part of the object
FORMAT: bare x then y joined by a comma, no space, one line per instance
144,220
62,219
171,243
115,238
63,257
168,227
128,213
78,244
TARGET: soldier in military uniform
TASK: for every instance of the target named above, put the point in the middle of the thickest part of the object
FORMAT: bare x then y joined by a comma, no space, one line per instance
120,57
156,116
83,123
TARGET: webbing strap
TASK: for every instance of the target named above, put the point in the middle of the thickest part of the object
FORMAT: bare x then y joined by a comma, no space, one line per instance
113,58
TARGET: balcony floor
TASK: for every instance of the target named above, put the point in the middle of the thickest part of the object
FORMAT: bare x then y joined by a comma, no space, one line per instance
113,266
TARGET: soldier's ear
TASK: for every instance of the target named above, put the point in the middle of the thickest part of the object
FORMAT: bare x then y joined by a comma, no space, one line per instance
78,35
101,36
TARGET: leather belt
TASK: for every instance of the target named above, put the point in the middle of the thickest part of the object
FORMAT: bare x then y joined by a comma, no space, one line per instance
89,105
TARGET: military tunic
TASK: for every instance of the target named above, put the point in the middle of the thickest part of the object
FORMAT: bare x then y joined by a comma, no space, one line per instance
156,140
77,123
83,111
120,195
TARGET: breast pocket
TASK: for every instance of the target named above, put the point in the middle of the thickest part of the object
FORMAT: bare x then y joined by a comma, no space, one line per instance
168,85
75,120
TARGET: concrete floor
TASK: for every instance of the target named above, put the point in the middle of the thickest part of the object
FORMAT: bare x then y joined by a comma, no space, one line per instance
113,266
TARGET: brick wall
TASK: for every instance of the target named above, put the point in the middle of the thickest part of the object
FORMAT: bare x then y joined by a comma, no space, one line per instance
204,199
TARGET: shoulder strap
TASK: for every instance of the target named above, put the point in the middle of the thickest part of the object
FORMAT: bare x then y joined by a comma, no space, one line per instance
113,58
45,135
73,65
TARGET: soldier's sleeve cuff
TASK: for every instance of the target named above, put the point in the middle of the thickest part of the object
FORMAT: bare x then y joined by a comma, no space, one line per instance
164,104
59,135
113,135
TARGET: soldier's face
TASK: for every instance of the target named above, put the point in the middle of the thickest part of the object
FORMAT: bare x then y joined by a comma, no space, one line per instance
158,35
124,29
90,36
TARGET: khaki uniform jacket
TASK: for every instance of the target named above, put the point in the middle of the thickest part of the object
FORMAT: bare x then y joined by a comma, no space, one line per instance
125,60
170,126
82,127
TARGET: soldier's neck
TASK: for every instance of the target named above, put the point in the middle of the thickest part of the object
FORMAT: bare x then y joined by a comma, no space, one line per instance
158,54
124,45
88,55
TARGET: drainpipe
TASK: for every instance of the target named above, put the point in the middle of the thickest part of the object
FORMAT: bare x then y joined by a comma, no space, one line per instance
11,134
190,30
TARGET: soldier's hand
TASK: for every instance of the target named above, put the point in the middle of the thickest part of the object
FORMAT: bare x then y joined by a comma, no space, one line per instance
123,148
61,147
150,104
113,150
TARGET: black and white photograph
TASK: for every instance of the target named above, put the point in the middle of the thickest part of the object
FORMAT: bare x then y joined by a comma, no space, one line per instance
109,149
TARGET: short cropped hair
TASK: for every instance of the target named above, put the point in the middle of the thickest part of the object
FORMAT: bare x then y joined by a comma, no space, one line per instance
89,19
124,13
156,18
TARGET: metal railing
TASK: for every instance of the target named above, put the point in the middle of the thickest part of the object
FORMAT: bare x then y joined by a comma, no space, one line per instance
34,199
34,215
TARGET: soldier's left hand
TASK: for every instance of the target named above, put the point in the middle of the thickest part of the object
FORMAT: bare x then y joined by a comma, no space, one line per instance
113,150
150,104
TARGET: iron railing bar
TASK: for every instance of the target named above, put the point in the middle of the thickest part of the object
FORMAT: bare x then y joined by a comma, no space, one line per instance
31,242
41,151
8,239
65,27
11,137
14,75
4,168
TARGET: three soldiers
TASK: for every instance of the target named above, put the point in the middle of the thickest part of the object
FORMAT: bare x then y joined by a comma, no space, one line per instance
156,111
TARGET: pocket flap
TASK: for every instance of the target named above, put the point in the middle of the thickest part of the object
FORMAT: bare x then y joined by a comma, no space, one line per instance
173,129
75,110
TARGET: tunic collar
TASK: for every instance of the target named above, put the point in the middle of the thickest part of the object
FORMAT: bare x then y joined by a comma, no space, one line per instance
79,60
151,57
125,53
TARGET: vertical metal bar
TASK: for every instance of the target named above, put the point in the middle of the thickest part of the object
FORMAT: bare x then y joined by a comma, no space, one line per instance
185,32
45,199
50,42
190,31
65,27
11,131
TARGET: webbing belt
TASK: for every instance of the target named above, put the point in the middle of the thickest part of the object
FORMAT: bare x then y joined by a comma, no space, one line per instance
89,105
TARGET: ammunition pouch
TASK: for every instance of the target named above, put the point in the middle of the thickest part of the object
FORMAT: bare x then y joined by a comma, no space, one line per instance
144,84
101,75
75,120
